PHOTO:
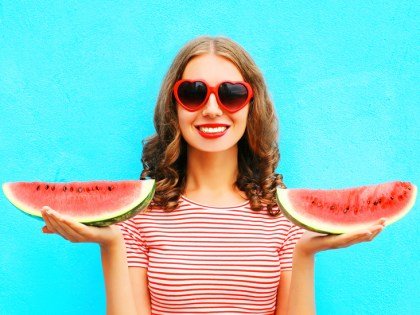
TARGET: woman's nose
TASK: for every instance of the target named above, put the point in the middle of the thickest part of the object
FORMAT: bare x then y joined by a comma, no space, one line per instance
212,108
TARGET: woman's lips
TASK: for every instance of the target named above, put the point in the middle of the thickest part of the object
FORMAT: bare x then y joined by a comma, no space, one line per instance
211,131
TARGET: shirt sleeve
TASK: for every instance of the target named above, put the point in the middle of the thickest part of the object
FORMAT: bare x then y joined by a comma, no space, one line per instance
136,248
286,250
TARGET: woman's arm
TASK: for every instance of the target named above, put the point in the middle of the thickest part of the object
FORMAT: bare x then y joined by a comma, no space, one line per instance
120,284
299,297
138,279
119,295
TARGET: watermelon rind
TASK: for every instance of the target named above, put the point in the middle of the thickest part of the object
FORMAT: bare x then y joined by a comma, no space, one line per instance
319,226
124,213
129,211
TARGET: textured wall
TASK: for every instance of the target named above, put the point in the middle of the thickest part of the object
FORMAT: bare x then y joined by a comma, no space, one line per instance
78,82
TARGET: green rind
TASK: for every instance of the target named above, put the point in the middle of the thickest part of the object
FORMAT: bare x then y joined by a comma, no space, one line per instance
311,226
298,222
125,214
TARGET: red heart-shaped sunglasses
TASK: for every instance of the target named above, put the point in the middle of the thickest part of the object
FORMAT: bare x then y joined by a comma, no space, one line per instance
231,96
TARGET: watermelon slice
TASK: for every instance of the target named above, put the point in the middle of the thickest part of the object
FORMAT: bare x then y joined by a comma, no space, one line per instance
346,210
98,203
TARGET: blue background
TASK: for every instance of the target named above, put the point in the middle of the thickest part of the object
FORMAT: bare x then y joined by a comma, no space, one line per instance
78,83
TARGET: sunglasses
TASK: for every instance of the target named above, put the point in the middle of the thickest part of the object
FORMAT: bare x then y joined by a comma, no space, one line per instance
231,96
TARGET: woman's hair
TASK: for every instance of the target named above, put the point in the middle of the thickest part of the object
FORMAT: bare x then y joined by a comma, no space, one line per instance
165,153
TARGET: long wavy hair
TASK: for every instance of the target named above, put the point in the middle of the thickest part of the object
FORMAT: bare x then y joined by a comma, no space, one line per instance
165,153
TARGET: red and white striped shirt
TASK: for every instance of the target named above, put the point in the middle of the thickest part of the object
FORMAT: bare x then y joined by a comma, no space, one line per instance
211,260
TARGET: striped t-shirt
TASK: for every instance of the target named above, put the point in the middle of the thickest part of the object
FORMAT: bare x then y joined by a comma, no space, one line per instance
211,260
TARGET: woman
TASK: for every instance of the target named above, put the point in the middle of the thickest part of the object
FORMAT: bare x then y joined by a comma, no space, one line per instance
213,240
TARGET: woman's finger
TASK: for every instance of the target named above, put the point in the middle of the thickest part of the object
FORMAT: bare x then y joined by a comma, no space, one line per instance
45,215
61,224
46,230
367,236
56,226
55,223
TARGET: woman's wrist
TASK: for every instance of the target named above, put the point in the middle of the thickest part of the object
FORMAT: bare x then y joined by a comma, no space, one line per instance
115,239
303,252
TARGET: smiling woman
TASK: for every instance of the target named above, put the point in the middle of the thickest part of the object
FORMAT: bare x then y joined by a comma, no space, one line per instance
211,128
214,240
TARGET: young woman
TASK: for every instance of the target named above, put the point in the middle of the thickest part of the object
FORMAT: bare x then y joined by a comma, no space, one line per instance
213,241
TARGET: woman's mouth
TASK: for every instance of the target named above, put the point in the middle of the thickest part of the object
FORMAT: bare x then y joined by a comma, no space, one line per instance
212,131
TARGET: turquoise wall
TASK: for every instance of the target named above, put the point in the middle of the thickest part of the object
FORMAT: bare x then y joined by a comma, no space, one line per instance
78,83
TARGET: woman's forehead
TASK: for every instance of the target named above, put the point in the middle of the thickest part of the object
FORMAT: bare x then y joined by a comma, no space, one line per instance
212,68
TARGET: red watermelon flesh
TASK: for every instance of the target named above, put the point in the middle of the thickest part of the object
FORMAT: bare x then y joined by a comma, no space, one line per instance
345,210
97,203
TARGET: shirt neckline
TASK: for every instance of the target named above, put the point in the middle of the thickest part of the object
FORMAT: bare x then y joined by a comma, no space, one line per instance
214,207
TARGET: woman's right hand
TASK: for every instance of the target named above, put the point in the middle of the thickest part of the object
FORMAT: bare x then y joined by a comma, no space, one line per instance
310,243
76,232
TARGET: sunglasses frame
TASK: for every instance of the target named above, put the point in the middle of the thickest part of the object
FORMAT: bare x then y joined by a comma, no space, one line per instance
215,91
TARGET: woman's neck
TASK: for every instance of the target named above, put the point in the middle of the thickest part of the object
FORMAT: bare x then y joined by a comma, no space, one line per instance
211,177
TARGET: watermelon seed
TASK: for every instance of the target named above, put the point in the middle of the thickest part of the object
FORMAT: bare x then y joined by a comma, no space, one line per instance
87,189
313,202
53,188
64,188
375,203
392,198
80,189
38,187
345,210
97,188
332,207
110,188
71,188
46,187
408,188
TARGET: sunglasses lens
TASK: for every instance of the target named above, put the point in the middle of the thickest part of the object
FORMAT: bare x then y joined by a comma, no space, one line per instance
233,95
192,94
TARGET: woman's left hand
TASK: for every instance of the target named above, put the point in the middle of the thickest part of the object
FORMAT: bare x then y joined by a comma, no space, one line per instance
311,242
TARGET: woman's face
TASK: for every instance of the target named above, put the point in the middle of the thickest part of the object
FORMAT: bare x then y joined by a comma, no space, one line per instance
211,129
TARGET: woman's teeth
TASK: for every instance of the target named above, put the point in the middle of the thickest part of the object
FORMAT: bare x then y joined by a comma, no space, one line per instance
212,130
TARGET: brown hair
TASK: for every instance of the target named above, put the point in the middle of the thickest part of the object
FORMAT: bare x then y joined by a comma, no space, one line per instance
165,153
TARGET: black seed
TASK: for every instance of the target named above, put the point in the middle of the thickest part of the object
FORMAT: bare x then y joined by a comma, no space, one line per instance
392,198
109,188
345,210
47,186
52,188
332,207
64,188
38,187
97,188
408,188
375,203
313,201
87,189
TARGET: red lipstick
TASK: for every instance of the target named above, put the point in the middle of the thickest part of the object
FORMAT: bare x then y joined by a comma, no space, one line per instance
211,131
